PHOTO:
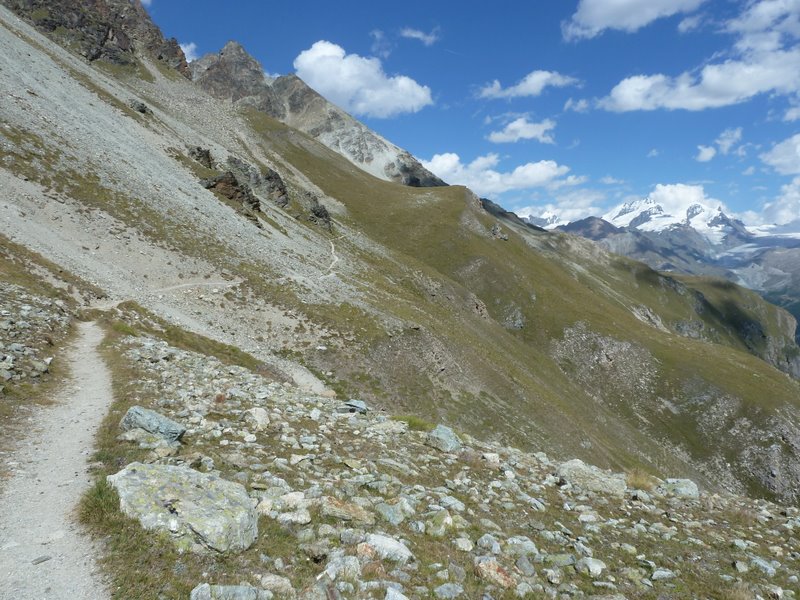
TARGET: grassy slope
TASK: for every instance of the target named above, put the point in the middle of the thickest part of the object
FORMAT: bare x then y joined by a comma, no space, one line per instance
506,381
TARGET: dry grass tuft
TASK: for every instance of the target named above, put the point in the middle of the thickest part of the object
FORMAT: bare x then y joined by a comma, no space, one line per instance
640,479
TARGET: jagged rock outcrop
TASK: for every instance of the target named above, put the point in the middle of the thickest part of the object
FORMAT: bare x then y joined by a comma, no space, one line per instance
266,181
228,186
112,30
234,75
202,156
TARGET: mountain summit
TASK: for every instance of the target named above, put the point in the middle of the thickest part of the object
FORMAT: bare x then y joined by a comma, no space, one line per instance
233,74
707,220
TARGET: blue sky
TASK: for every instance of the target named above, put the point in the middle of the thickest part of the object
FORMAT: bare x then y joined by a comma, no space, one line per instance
550,107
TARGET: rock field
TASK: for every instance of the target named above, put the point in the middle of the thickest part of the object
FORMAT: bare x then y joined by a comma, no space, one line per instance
28,324
374,508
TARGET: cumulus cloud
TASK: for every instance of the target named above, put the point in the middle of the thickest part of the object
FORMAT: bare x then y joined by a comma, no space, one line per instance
786,207
579,106
190,51
728,139
765,58
595,16
482,176
676,198
570,206
785,156
359,84
522,129
724,143
705,153
533,84
429,39
792,114
690,23
381,46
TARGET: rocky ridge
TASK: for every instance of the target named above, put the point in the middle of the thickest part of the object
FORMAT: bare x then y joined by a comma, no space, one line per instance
110,30
232,74
374,506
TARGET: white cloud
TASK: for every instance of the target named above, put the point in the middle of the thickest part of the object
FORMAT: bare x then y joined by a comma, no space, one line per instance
705,153
728,139
533,84
676,198
567,207
415,34
595,16
482,177
608,180
653,153
190,51
785,156
724,143
751,170
381,46
579,106
792,114
786,207
522,129
359,84
690,23
764,59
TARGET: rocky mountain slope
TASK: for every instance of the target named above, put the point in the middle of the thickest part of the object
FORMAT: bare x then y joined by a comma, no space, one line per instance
330,499
234,75
426,301
702,240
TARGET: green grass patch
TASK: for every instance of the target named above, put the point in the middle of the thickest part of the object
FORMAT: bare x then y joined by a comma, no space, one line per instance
414,422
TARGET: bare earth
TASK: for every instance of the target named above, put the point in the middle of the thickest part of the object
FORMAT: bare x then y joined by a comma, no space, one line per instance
49,474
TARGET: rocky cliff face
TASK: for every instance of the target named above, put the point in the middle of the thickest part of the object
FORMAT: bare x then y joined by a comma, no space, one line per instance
112,30
234,75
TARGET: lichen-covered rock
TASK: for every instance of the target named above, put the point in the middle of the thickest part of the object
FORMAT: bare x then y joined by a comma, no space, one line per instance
443,438
152,422
345,511
590,478
200,511
488,569
204,591
681,488
387,548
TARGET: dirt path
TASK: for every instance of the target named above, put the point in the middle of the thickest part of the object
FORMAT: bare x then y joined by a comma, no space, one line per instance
334,258
43,554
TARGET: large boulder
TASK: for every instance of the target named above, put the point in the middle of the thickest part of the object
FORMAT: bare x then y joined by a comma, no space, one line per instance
592,479
152,422
443,438
204,591
201,511
680,488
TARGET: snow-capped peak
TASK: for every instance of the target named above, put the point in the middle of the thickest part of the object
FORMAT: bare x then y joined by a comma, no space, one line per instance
676,206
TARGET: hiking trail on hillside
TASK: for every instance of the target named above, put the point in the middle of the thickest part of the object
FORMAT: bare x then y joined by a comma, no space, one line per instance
43,552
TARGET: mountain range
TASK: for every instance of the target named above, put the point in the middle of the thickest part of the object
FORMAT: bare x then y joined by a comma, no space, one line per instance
699,239
254,212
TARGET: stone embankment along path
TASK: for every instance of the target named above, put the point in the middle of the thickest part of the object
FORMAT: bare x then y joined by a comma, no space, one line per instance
43,553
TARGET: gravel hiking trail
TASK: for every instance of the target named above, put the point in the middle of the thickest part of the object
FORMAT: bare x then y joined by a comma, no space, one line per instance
43,552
